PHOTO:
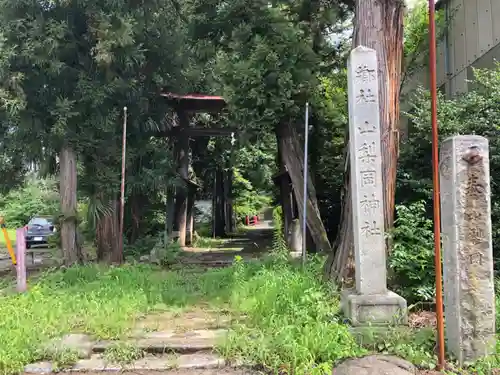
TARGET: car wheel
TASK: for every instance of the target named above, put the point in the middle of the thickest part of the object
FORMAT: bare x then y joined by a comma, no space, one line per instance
28,246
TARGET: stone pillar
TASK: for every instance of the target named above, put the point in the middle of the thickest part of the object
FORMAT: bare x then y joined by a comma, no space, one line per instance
228,200
295,238
183,168
218,205
371,302
190,217
469,296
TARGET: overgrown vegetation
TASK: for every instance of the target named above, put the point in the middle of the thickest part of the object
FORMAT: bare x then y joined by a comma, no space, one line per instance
292,320
35,197
412,257
475,112
266,59
248,201
285,316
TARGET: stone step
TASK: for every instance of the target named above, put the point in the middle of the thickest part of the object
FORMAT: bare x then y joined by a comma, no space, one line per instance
99,363
170,341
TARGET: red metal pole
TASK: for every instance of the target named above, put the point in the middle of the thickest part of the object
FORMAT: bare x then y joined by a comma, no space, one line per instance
122,190
435,175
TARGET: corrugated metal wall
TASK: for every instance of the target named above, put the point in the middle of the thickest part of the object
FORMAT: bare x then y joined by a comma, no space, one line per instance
473,35
473,40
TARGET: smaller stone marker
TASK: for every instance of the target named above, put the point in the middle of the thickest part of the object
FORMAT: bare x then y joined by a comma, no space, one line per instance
371,302
21,260
469,296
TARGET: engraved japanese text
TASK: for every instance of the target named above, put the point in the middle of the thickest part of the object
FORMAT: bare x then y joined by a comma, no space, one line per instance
364,74
370,228
367,152
369,204
368,178
365,96
366,127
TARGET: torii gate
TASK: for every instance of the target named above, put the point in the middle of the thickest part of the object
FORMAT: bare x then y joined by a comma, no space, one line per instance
181,207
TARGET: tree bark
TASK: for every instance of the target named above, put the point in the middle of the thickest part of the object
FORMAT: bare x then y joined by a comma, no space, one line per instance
293,158
71,250
285,197
378,25
170,211
137,203
107,236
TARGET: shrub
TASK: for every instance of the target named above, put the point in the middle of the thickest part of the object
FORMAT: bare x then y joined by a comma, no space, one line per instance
476,112
35,197
248,201
412,256
291,323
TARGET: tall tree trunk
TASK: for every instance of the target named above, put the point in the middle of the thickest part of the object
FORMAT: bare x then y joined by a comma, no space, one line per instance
107,236
137,203
285,197
70,247
378,25
293,158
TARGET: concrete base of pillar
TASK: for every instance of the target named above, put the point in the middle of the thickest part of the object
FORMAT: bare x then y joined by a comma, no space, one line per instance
377,309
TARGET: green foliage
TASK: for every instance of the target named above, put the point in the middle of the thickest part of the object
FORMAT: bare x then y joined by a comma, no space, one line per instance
97,300
416,38
280,247
62,359
210,243
142,246
475,112
34,197
122,353
414,345
291,320
247,200
330,118
412,256
256,161
68,69
155,248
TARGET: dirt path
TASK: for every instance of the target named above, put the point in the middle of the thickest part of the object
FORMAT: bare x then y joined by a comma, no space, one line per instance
251,244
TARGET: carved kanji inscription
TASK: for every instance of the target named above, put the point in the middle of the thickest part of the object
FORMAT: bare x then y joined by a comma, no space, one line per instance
365,96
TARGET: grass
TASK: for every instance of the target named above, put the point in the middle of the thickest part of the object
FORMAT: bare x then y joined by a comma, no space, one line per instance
97,300
123,353
12,236
211,243
291,319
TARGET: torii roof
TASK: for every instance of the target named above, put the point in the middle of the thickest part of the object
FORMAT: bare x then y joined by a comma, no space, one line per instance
195,102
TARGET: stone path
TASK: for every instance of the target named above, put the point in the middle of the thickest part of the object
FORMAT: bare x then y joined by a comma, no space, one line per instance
167,342
184,344
249,245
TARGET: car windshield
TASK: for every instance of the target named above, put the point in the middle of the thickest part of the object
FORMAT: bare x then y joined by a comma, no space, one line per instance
41,221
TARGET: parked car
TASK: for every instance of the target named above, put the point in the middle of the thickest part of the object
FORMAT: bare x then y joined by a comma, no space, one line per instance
38,231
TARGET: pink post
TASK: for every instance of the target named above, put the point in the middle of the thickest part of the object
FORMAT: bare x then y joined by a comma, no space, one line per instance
21,260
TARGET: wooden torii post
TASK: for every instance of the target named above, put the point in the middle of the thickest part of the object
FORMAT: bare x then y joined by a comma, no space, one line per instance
180,207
